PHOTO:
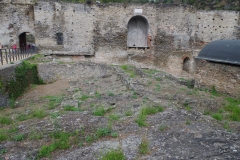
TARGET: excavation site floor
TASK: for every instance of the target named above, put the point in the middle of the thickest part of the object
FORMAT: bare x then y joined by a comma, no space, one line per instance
90,111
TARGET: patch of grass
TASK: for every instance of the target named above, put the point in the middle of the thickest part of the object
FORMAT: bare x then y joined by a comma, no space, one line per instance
214,91
3,135
188,108
217,116
71,108
144,146
90,138
234,108
144,112
98,94
2,151
22,117
129,69
53,101
114,134
61,141
5,120
18,137
35,135
163,128
54,115
102,132
128,113
114,117
114,155
110,94
150,71
158,79
226,126
13,129
206,113
85,97
158,87
134,96
188,122
39,113
100,111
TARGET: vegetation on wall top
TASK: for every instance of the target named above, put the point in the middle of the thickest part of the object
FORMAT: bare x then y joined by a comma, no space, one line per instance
25,74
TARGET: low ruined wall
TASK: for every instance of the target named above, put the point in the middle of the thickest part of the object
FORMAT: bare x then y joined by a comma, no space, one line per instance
224,77
7,72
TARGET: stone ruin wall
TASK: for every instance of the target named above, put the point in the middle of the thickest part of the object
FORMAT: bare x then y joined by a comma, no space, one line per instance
177,32
74,20
15,18
225,78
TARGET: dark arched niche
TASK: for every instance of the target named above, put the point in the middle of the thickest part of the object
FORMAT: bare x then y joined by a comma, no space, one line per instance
137,32
22,40
186,64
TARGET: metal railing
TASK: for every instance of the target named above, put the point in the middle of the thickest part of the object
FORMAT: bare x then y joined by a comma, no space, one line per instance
11,55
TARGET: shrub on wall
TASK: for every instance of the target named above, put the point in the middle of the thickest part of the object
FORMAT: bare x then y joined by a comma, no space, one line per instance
25,74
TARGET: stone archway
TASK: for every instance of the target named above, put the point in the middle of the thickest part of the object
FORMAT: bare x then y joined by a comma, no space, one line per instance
186,64
25,39
137,32
22,40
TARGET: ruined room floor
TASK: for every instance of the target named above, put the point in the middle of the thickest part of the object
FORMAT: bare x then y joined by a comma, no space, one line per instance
98,107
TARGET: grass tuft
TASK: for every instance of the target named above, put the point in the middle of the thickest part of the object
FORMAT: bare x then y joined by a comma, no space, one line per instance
144,112
39,113
144,146
114,155
5,120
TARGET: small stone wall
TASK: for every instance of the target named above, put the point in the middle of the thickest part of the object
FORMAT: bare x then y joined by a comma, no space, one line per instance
7,72
224,77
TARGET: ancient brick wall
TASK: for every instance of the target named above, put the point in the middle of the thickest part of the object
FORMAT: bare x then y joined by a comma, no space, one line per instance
15,18
74,20
224,77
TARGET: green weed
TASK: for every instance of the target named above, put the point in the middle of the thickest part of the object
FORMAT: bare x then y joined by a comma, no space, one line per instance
113,155
3,135
214,91
39,113
129,69
144,112
54,101
114,117
188,122
163,128
128,113
85,97
102,132
144,146
110,94
22,117
71,108
158,87
100,111
234,108
2,151
18,137
61,141
98,94
5,120
217,116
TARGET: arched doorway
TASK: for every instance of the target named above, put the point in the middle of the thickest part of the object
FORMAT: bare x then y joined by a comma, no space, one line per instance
22,40
25,39
186,64
137,32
